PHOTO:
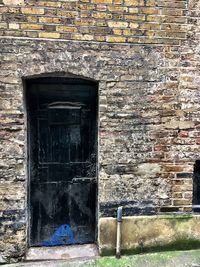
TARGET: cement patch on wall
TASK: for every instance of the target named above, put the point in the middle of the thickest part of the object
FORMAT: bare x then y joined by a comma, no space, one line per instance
150,233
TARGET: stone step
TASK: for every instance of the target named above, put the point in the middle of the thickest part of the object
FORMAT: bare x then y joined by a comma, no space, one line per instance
61,252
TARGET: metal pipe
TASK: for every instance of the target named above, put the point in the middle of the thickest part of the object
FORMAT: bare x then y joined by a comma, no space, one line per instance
118,242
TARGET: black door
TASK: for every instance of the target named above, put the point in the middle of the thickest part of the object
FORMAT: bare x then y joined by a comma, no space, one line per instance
62,126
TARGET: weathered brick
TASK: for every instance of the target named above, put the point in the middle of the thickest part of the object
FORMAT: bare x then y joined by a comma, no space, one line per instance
133,25
49,20
120,9
49,4
68,14
149,10
181,202
32,10
49,35
134,17
101,1
3,25
31,26
115,39
134,2
102,15
117,24
83,37
13,2
66,29
14,26
32,19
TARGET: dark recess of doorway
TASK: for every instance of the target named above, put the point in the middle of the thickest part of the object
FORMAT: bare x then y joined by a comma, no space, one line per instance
62,149
196,187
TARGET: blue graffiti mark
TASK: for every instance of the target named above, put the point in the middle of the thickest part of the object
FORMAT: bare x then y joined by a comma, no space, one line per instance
62,236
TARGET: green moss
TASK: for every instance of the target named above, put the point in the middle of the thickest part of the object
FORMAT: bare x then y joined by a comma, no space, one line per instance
111,252
179,244
107,252
176,216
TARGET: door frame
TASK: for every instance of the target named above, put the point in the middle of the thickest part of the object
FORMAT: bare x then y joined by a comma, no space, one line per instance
37,79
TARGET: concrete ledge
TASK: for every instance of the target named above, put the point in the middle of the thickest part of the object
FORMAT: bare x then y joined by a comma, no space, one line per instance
150,233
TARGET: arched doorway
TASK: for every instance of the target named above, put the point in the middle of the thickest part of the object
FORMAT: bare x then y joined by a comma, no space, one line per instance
62,159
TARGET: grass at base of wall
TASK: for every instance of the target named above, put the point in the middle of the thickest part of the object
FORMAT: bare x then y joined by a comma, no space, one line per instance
162,259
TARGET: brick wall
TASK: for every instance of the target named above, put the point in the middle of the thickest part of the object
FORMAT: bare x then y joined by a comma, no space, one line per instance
134,83
132,21
149,133
189,97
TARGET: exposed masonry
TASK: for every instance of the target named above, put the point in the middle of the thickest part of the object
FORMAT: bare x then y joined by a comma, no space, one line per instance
142,21
149,132
147,142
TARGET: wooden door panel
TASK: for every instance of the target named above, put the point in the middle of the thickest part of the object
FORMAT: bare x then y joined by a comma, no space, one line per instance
76,153
48,201
59,144
81,199
43,140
